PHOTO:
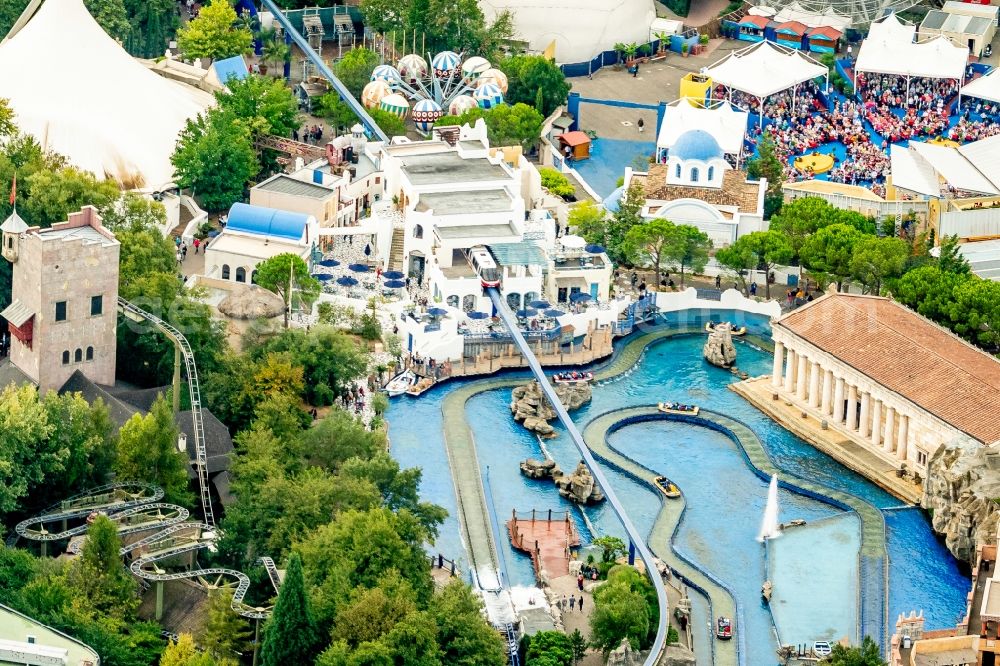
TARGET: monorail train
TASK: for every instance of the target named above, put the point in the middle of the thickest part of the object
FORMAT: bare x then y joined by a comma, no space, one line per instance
485,266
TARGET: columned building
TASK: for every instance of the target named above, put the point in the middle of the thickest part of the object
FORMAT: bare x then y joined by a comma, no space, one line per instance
888,379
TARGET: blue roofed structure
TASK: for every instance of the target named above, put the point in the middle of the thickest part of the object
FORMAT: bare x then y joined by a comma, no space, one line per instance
271,222
231,68
696,144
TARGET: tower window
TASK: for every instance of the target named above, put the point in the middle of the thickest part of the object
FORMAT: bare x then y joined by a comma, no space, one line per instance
60,310
241,274
65,357
225,271
711,172
694,175
78,355
677,171
96,305
90,353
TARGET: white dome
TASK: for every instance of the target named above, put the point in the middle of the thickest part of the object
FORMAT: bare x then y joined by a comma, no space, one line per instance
580,28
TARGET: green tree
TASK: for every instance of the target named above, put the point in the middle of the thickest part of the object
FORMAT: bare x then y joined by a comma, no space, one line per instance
761,250
578,644
689,249
215,33
215,157
330,360
355,69
290,636
514,125
590,220
340,437
264,105
627,216
336,111
154,22
950,259
398,488
385,16
99,573
550,648
975,314
147,450
413,641
373,613
801,218
133,212
54,193
767,165
877,260
23,423
930,291
388,122
620,611
286,274
9,13
651,244
111,16
867,654
556,183
183,652
527,74
464,636
828,252
224,632
611,548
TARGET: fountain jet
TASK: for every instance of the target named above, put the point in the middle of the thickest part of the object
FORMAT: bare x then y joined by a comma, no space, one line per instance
769,528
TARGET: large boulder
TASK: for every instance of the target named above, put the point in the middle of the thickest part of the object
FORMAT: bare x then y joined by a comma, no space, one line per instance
579,486
963,479
719,348
623,655
532,409
677,655
540,469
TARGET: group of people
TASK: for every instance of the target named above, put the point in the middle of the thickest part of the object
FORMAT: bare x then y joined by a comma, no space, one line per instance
891,90
309,134
780,106
429,367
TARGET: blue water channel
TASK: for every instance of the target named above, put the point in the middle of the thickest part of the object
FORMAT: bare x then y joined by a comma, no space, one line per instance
725,500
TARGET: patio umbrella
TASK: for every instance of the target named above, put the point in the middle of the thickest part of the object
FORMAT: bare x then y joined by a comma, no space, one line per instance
347,281
539,305
394,284
359,268
368,250
393,275
322,277
437,312
329,263
527,312
478,315
554,313
594,249
580,297
571,242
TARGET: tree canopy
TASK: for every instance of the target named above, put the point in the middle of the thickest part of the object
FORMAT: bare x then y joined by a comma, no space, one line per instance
624,608
288,276
527,74
866,654
147,450
767,165
506,125
761,250
215,33
291,636
443,24
215,157
264,105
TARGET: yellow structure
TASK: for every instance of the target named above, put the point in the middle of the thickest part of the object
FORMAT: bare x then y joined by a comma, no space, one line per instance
815,163
696,88
941,141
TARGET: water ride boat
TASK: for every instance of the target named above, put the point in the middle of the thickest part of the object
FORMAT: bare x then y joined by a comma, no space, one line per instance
400,384
733,328
667,487
572,377
422,384
723,628
678,408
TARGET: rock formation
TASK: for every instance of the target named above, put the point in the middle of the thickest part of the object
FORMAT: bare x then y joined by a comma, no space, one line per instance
677,655
963,480
578,487
719,348
623,655
532,409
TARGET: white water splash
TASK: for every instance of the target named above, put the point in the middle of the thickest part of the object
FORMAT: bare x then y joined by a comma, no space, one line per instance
769,525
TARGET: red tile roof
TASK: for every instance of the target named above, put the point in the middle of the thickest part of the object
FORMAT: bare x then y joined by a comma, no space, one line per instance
759,21
825,31
575,138
793,27
907,354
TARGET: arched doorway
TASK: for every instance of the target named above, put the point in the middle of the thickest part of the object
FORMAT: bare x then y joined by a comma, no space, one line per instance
468,303
416,267
514,301
452,301
241,274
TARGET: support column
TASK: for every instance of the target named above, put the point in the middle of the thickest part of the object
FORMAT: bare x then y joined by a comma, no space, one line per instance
801,381
866,414
890,426
814,385
838,401
852,408
827,391
790,371
904,434
779,358
877,423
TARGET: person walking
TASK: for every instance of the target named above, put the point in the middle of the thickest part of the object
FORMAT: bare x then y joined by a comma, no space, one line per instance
579,581
572,601
580,603
641,124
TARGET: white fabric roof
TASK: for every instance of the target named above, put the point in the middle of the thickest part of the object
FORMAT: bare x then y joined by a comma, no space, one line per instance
912,172
813,19
936,58
726,124
985,156
891,29
985,87
765,69
80,94
954,167
974,167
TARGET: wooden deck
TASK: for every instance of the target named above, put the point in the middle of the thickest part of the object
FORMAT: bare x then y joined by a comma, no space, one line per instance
548,537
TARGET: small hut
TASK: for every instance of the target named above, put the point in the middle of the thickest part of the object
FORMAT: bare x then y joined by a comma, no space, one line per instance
790,34
252,302
752,28
823,39
578,144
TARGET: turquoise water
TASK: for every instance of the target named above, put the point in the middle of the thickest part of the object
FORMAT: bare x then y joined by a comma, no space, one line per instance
725,500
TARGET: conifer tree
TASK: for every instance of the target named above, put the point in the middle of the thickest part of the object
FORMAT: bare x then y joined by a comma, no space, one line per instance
291,636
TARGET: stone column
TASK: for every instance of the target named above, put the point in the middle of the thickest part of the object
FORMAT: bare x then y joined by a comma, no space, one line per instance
827,391
890,426
790,371
801,381
814,385
852,408
866,414
779,358
876,432
838,401
904,433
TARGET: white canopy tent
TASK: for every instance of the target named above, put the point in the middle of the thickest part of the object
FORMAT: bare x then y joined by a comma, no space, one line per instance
764,69
985,87
726,123
80,94
892,29
893,51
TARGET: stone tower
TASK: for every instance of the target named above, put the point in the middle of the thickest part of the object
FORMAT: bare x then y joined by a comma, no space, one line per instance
63,314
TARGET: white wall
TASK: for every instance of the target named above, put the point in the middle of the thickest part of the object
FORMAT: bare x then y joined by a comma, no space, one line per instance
731,300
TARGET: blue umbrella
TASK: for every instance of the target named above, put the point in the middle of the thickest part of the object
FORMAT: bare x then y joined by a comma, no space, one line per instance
580,296
527,312
394,284
329,263
594,249
347,281
539,304
437,312
368,250
478,315
359,268
393,275
554,313
322,277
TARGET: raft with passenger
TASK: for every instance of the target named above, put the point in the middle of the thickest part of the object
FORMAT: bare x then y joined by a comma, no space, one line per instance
667,487
572,377
400,384
678,408
733,328
422,385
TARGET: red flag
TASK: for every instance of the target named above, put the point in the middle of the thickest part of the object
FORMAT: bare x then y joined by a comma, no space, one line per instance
13,190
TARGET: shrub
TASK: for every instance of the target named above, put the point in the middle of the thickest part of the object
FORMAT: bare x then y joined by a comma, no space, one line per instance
703,39
556,183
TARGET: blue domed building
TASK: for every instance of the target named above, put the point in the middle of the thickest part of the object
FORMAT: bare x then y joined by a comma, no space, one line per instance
696,159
